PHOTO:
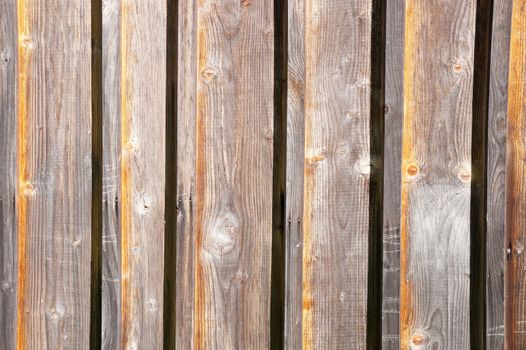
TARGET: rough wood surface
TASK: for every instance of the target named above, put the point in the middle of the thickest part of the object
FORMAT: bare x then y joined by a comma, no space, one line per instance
233,199
142,153
8,233
496,174
436,174
111,170
186,176
337,39
294,174
54,174
393,113
515,307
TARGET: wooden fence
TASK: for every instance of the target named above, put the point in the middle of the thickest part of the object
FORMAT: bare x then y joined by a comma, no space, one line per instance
255,174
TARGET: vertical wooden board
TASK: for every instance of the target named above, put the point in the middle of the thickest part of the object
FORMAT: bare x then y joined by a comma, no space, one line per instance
8,236
294,173
496,164
111,170
436,174
54,174
336,173
142,152
393,113
234,154
515,303
186,176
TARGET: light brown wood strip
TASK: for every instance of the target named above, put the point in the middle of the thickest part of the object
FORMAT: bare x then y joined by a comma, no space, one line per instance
393,114
496,174
436,174
142,152
186,176
234,154
336,173
515,289
54,174
111,200
8,175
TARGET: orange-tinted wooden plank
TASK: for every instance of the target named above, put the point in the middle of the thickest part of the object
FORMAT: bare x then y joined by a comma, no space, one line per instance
436,174
515,285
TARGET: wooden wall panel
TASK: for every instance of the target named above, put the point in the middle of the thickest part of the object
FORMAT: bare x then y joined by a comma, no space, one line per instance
111,170
186,174
515,303
393,113
54,174
435,222
337,168
496,173
8,117
142,99
294,174
233,172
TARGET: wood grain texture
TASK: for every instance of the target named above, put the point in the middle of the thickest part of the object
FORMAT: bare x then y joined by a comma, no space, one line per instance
142,153
393,113
8,117
294,174
436,174
234,155
186,177
54,174
496,173
111,170
337,39
515,303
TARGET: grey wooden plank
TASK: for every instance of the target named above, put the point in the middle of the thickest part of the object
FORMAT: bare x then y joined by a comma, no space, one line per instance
111,170
54,174
142,181
337,170
294,174
186,175
393,113
233,184
515,278
8,174
496,174
436,177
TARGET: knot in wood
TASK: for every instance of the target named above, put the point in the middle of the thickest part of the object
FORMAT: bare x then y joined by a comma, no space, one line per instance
412,170
209,74
464,175
418,339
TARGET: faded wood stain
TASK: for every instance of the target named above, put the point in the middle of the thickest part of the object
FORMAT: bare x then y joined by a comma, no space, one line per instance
436,161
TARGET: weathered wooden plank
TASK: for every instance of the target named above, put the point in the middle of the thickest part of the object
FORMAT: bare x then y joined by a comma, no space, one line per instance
233,184
337,39
393,113
111,171
436,174
186,173
496,166
54,174
294,174
515,303
8,236
142,97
